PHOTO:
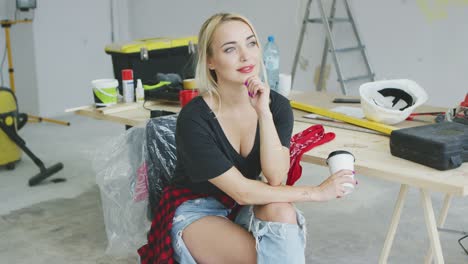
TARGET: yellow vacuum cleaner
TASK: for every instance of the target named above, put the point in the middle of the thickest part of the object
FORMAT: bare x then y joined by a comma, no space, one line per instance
11,143
8,115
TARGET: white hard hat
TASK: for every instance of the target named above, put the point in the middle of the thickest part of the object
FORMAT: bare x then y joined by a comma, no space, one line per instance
391,101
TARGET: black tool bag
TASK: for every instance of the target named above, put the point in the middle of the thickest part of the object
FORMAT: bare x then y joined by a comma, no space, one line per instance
441,146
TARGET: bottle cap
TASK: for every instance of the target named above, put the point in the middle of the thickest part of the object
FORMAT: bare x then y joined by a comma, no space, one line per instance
271,38
139,84
127,74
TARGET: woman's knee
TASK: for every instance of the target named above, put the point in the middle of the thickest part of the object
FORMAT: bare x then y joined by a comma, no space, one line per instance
276,212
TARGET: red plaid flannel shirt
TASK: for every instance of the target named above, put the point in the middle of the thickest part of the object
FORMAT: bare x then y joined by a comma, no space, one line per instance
159,248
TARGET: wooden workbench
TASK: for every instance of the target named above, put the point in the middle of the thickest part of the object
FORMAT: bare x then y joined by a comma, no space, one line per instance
372,154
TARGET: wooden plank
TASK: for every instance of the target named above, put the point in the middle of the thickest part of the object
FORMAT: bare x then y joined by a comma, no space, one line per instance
325,100
379,127
69,110
372,151
299,116
132,114
373,158
117,108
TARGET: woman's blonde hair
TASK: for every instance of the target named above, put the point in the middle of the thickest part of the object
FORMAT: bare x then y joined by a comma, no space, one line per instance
205,78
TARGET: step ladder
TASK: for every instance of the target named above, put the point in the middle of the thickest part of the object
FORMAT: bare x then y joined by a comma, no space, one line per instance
330,46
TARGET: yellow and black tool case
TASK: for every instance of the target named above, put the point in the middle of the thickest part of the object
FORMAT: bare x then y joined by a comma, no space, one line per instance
9,151
148,57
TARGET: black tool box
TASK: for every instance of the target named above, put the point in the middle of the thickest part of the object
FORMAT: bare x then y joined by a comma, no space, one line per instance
442,146
148,57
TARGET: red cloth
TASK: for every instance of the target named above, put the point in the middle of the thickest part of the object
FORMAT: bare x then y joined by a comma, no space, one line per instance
159,248
301,143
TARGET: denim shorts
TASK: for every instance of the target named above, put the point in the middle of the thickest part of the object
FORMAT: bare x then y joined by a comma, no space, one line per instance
275,242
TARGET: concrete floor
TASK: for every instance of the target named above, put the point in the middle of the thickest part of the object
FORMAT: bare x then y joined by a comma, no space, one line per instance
63,222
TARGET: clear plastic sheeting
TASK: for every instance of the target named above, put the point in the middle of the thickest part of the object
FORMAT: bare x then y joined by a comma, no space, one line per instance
160,136
131,171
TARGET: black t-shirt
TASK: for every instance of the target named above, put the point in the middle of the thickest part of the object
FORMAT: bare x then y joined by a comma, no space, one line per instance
204,152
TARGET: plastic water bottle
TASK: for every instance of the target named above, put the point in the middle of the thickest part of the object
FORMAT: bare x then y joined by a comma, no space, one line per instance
271,58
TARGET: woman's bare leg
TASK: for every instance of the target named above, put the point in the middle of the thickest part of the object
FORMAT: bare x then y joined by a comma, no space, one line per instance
214,239
280,232
276,212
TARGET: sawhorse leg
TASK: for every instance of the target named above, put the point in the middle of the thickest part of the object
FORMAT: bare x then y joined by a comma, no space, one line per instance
394,224
441,223
432,226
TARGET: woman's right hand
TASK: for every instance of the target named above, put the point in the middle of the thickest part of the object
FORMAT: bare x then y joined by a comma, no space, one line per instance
333,187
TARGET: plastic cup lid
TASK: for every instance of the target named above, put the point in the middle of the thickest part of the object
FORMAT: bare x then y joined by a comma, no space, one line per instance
337,152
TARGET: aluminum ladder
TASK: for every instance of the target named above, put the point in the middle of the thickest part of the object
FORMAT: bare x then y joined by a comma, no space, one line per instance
330,46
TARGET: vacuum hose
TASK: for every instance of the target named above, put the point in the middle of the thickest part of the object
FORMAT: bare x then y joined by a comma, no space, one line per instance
44,173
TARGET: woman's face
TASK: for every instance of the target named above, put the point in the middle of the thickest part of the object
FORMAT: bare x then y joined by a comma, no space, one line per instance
235,53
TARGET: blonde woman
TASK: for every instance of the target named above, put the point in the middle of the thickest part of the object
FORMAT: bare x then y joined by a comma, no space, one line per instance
225,138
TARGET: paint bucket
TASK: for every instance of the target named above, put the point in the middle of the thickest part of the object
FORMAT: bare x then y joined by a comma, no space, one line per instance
105,92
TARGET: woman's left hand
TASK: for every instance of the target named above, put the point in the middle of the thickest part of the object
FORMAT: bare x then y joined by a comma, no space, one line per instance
259,94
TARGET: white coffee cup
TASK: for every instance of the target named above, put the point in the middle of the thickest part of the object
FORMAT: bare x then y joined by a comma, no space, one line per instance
342,160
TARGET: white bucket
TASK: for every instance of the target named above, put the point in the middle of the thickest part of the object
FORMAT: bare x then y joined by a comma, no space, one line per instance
105,92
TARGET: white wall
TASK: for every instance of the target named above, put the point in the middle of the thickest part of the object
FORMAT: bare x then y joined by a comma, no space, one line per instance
63,50
70,37
121,21
4,7
422,40
183,17
23,54
57,56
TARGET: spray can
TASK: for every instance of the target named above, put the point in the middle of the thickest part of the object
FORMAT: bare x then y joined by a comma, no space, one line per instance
128,88
139,92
